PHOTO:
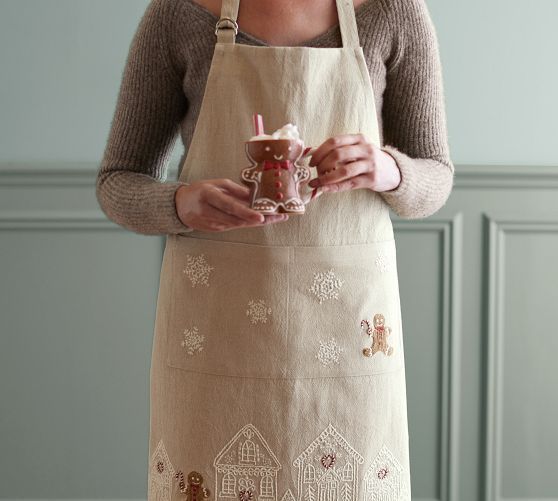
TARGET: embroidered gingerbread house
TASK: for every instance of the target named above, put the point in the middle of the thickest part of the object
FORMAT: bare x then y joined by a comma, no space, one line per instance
161,475
246,468
328,469
383,480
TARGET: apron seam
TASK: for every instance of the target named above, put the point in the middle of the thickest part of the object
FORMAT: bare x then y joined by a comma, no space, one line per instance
347,376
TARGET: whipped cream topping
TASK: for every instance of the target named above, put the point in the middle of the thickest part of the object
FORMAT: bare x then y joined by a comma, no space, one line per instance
288,131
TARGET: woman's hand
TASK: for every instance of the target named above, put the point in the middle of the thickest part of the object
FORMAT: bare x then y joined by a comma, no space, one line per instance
219,205
350,161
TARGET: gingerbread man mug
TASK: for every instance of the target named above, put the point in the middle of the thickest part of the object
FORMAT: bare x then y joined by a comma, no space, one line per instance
278,181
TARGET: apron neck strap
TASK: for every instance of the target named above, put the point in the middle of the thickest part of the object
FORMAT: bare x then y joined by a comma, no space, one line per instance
227,27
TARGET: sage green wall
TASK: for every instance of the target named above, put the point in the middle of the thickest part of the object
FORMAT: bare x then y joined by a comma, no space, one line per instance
477,279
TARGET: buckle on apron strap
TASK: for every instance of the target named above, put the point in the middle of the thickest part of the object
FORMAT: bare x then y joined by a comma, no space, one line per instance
227,20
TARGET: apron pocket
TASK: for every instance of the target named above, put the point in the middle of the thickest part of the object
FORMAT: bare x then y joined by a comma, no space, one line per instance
249,310
345,309
228,311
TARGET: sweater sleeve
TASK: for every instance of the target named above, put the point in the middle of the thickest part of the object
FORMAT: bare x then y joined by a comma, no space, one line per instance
413,113
130,185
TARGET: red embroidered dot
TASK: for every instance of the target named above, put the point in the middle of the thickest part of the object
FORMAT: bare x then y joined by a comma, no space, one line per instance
328,461
278,184
279,196
245,495
278,173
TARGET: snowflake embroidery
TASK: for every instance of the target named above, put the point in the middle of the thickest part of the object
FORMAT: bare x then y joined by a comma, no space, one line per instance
329,352
326,285
197,269
382,262
192,342
258,311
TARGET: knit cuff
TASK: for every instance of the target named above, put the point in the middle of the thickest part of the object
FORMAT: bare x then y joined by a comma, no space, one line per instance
424,187
176,226
139,203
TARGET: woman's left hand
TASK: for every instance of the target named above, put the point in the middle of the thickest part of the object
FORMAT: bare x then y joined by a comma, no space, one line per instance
351,161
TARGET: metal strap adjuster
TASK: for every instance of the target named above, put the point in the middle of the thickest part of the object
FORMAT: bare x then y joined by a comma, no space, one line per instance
231,23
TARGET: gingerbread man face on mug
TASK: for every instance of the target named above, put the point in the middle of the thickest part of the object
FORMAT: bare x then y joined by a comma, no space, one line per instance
274,150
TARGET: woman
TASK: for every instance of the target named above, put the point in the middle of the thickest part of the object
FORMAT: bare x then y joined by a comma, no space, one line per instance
278,367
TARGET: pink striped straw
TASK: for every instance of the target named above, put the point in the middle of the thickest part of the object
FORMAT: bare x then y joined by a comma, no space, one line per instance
258,124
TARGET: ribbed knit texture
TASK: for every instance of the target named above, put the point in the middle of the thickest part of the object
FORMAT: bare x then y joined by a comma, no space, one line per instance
164,80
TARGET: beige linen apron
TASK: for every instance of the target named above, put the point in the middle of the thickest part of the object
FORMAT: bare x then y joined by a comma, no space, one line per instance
277,370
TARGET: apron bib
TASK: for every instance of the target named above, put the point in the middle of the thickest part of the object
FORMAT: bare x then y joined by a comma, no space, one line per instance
277,370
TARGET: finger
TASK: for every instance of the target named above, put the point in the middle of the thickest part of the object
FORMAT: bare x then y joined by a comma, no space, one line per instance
335,142
239,190
353,183
275,218
268,218
232,206
211,221
342,173
342,155
217,216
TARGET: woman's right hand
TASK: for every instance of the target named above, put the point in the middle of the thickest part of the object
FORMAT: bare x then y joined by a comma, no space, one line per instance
219,205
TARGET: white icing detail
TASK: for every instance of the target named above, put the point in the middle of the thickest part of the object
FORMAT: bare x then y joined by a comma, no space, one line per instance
316,482
192,341
197,269
383,479
161,475
329,352
258,311
246,462
326,285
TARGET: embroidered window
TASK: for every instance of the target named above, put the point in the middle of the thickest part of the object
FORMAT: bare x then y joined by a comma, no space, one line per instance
248,453
266,487
228,485
348,472
309,474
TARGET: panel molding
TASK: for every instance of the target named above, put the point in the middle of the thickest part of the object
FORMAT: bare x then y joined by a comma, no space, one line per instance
56,220
496,226
451,230
466,175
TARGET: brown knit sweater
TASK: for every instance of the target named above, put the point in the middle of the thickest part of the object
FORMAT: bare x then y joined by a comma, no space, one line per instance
164,80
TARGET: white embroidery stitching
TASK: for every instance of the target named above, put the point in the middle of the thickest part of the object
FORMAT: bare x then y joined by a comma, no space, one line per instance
288,496
161,475
192,342
328,469
197,269
384,477
382,262
246,464
258,311
326,285
329,352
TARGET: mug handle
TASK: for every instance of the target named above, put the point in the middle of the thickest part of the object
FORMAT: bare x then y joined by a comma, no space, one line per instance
316,192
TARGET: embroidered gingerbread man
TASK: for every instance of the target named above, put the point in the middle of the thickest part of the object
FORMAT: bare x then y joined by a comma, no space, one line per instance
379,334
194,491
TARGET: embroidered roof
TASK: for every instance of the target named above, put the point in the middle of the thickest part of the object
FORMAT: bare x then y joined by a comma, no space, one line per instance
330,431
